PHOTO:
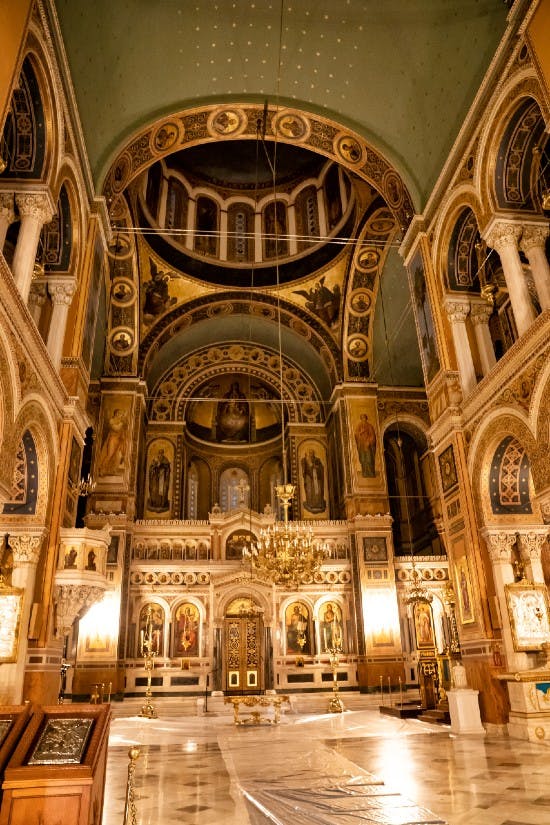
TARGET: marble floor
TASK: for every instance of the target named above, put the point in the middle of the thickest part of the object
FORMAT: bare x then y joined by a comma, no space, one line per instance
317,768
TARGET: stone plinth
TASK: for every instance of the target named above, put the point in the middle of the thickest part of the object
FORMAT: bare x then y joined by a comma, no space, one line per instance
464,711
529,694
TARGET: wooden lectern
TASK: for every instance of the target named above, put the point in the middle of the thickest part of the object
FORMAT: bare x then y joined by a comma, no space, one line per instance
56,775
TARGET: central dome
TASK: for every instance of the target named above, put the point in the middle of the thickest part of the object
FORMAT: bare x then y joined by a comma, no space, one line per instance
268,212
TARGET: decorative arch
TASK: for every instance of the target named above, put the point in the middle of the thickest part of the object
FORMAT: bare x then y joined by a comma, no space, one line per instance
515,182
171,394
459,201
509,479
257,591
207,124
361,289
35,419
523,85
463,260
495,430
265,307
25,132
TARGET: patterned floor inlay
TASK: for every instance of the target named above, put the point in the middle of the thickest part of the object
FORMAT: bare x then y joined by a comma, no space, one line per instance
358,768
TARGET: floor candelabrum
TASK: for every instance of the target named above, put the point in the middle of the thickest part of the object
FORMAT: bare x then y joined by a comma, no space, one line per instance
335,705
149,649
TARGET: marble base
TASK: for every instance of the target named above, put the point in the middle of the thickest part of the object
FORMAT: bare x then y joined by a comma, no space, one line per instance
529,718
464,711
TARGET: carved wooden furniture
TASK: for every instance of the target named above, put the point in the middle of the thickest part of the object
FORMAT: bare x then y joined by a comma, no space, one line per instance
256,717
13,719
56,775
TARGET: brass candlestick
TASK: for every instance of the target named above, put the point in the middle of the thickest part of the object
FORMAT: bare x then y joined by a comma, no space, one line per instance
335,705
149,650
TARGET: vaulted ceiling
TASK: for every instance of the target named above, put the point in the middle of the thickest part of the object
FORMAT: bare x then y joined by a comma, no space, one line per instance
402,73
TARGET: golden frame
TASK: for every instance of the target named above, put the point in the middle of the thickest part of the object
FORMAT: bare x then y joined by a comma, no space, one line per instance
11,603
464,591
529,615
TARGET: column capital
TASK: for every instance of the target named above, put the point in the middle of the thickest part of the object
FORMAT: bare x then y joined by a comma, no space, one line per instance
26,547
37,205
7,206
480,312
457,309
61,290
70,600
500,543
503,234
531,542
533,236
37,295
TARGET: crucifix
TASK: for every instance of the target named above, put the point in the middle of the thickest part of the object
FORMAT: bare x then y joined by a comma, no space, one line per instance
243,489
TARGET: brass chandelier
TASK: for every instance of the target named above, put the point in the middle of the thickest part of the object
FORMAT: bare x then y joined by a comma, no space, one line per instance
286,553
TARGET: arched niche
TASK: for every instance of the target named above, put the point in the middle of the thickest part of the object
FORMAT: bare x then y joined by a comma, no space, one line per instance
409,482
517,163
509,479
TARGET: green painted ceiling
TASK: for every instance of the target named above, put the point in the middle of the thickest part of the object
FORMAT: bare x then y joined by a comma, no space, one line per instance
401,72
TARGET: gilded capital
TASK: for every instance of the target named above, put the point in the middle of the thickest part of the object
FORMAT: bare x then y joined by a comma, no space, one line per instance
457,310
37,295
36,205
7,208
480,312
531,544
26,547
500,546
533,236
504,235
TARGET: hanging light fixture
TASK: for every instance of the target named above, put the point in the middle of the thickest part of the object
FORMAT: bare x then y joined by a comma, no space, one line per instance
416,592
287,553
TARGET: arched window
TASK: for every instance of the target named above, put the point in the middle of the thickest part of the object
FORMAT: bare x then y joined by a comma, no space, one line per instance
234,489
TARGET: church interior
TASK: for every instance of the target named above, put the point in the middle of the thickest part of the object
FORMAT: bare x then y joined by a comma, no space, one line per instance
275,400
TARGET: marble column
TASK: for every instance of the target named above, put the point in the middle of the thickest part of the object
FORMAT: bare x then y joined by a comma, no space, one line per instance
503,237
26,553
37,299
533,243
480,312
7,215
35,209
500,544
457,311
61,293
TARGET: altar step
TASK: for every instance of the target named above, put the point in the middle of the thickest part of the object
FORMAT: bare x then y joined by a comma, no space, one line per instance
436,716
